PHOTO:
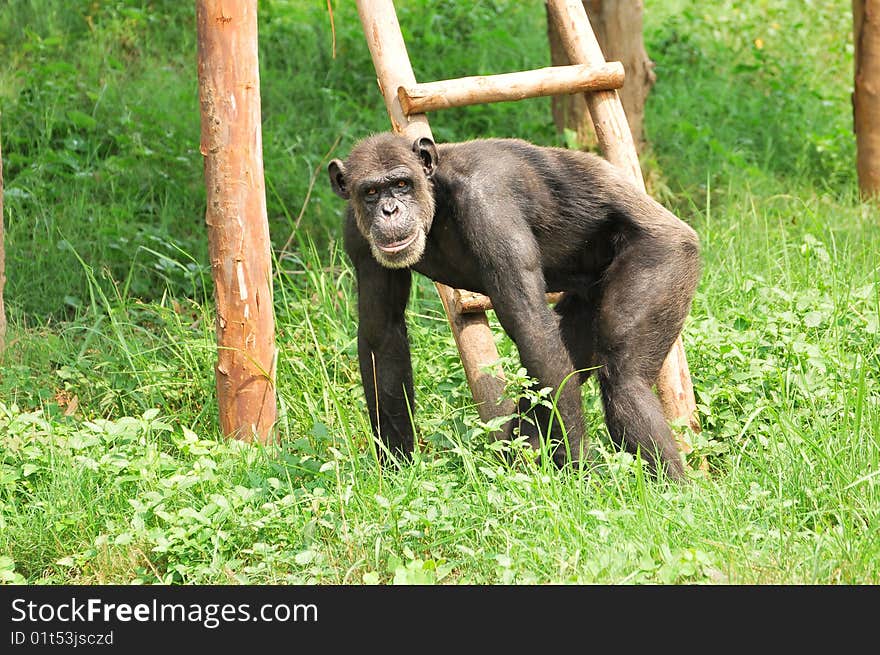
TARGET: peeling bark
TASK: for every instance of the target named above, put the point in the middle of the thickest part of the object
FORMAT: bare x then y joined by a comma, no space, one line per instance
866,96
2,263
238,226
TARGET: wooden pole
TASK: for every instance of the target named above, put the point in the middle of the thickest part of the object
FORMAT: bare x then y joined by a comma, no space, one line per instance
482,89
617,25
474,339
2,263
238,227
866,94
581,47
674,382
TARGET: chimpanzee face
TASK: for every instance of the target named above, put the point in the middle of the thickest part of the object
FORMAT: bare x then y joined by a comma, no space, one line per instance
387,185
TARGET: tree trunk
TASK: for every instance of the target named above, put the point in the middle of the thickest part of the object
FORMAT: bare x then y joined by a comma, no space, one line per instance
2,263
618,28
238,227
866,96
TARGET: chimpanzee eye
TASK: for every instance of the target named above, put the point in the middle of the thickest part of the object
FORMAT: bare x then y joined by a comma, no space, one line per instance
401,184
371,192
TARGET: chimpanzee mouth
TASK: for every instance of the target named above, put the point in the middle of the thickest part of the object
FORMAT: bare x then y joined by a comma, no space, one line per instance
397,246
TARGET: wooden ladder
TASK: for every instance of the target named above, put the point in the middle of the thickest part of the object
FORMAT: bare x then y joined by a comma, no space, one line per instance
589,73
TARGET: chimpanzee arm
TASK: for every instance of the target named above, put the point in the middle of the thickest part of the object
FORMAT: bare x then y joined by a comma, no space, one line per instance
383,352
510,262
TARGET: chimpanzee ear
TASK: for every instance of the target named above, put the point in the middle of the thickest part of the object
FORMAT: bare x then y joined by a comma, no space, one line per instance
337,179
427,152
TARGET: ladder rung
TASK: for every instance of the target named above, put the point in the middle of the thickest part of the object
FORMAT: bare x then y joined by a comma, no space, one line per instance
480,89
468,302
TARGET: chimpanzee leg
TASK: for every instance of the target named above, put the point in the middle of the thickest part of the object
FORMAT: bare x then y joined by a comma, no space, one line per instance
523,312
577,326
545,358
646,297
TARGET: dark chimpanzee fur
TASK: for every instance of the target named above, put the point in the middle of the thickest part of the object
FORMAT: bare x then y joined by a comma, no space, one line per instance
513,220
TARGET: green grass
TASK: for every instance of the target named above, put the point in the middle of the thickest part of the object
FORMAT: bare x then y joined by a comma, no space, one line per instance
111,466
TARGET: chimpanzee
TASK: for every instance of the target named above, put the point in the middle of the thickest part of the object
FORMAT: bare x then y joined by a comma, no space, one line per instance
513,220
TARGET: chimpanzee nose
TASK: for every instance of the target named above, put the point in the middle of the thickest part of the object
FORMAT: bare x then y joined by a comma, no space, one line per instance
389,209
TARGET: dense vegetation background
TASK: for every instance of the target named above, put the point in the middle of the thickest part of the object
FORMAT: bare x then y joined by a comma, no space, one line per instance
111,467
